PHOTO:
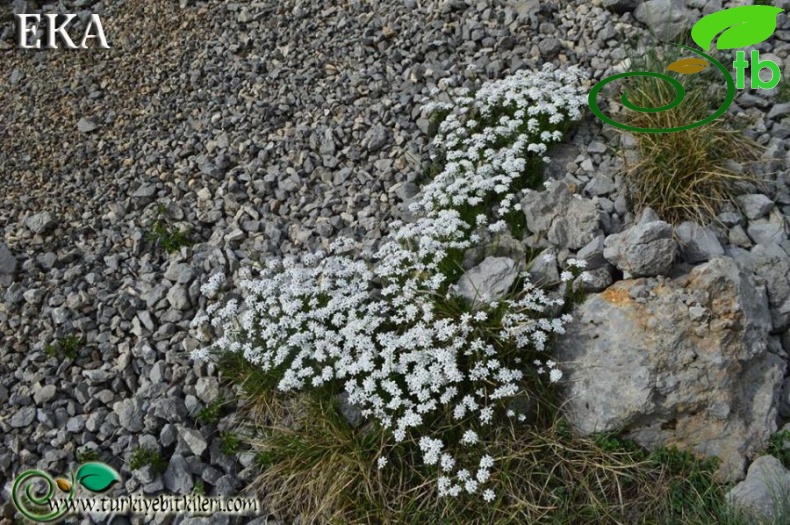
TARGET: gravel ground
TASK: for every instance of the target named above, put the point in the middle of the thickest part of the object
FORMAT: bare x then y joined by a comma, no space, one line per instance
266,128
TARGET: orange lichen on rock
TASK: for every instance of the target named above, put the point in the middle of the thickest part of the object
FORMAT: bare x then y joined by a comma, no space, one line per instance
616,295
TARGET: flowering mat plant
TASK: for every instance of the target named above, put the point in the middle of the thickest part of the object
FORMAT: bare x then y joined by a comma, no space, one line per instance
389,327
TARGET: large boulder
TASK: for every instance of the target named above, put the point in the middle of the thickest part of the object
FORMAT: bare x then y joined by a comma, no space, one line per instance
682,362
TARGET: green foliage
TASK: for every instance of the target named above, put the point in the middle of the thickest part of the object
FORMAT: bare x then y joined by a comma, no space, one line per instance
199,489
691,485
229,443
783,95
609,442
169,238
88,455
68,346
776,447
148,456
210,413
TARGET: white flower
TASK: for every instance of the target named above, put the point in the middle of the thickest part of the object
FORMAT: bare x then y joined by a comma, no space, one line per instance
447,462
368,318
489,496
469,438
577,263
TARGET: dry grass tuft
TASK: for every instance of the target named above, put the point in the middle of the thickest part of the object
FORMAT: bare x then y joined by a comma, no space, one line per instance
691,174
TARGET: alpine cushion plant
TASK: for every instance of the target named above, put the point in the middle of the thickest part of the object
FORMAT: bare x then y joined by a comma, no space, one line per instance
388,327
493,139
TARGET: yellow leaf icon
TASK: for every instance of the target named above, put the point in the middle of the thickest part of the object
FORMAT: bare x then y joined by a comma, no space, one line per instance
63,484
688,66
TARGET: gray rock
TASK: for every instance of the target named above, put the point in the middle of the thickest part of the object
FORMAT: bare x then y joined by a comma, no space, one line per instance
178,297
770,230
779,110
171,410
566,220
502,245
145,192
620,6
75,424
754,205
177,478
207,389
179,273
686,362
598,280
549,47
44,394
227,486
646,249
168,435
771,266
350,412
194,440
7,265
667,19
23,417
764,492
592,253
130,414
376,138
40,222
600,185
489,280
697,244
738,237
543,270
730,219
216,519
86,125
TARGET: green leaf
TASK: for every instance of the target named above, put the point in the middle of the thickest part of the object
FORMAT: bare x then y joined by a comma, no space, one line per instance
742,26
97,477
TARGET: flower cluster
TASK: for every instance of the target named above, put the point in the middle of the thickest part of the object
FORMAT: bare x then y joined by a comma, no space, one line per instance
490,136
375,325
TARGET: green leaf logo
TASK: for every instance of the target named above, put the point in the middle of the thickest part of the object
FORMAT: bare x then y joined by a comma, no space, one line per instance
97,477
742,27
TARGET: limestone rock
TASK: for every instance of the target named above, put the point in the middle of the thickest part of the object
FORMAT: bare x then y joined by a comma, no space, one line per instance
489,280
764,491
681,362
567,220
644,250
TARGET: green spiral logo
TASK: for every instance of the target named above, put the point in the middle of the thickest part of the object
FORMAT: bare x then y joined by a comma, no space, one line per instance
23,495
732,28
94,476
680,94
